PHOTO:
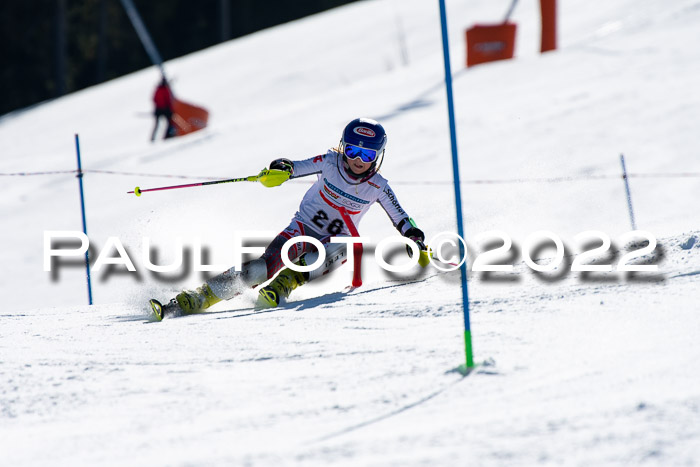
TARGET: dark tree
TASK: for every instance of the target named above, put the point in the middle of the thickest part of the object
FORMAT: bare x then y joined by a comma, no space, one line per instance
52,47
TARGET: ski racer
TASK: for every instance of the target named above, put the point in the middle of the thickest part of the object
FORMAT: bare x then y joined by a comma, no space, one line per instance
349,180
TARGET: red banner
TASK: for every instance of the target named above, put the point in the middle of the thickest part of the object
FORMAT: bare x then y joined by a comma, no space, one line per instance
188,118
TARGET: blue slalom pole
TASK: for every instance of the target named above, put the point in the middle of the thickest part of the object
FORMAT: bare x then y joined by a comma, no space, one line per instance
82,210
458,192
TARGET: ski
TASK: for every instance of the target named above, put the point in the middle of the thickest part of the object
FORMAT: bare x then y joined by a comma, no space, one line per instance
160,310
157,308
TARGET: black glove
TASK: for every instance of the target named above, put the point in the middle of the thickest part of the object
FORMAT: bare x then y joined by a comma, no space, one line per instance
283,164
417,235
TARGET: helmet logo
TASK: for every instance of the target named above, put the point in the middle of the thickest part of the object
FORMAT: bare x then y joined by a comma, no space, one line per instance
364,131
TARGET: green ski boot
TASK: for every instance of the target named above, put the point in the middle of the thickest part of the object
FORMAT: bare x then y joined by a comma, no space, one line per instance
281,287
194,301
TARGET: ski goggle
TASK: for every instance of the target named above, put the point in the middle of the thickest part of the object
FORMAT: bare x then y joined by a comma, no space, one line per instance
366,154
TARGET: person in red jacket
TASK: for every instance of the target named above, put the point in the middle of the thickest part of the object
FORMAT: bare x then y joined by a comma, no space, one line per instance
163,100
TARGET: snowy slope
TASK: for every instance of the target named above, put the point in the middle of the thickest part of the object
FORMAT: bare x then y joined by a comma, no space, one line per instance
576,368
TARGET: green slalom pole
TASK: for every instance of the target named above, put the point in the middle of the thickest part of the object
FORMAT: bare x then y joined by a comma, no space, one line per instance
464,369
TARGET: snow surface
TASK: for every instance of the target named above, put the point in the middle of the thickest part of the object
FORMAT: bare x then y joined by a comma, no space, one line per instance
574,368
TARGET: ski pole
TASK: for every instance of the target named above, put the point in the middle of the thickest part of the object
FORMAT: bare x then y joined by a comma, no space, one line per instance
268,177
627,189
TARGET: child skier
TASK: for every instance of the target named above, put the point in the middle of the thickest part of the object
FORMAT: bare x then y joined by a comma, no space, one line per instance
348,180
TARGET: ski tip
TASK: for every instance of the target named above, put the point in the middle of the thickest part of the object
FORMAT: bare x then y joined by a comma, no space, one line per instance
157,309
268,298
